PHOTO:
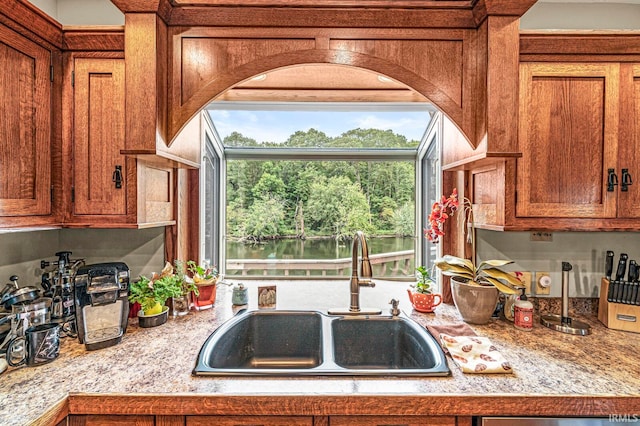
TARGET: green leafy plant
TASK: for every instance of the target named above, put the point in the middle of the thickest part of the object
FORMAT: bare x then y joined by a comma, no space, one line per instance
152,293
201,273
486,273
424,281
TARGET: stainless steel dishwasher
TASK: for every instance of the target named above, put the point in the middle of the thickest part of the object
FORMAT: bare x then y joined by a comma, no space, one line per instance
552,421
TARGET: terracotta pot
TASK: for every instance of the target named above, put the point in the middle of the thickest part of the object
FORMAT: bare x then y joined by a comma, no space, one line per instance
475,303
424,302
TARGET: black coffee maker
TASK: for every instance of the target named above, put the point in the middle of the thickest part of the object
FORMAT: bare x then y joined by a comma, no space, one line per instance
102,304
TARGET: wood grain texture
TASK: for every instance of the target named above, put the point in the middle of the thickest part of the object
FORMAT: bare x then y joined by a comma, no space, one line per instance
402,405
422,4
31,22
488,194
569,138
249,420
155,194
208,62
392,420
579,45
629,142
106,420
25,120
93,39
55,415
321,17
99,136
170,421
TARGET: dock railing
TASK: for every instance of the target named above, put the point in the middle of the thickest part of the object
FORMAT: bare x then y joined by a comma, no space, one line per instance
395,264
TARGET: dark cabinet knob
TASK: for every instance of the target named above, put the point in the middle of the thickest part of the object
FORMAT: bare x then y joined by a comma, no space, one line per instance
117,177
626,180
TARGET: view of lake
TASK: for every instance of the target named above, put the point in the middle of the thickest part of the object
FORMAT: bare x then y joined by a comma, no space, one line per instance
319,249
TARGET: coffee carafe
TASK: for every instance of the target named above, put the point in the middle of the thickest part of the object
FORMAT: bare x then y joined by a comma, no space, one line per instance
58,285
101,303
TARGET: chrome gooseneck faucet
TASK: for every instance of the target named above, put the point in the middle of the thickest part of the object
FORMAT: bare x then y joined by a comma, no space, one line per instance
361,278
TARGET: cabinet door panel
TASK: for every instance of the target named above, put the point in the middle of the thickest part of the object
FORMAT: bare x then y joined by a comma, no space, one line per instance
25,127
250,420
99,137
629,146
568,137
391,421
110,420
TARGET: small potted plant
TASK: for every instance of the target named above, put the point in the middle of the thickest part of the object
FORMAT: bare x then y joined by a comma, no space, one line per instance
474,287
422,297
204,279
152,293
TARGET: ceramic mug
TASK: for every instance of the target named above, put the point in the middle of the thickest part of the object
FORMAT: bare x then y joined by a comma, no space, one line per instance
424,302
39,345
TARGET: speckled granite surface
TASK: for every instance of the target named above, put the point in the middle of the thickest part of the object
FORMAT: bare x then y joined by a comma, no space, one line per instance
159,360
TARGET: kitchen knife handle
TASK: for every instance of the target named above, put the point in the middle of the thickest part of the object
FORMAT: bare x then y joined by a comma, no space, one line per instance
608,266
622,266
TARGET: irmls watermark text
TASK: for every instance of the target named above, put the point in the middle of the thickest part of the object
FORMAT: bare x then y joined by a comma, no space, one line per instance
624,418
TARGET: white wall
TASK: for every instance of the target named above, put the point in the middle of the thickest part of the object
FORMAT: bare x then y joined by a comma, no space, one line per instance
584,250
81,12
21,252
599,15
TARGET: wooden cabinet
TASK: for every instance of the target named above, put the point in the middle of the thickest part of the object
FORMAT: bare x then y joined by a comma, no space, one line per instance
249,420
110,420
579,134
25,129
392,420
568,135
106,188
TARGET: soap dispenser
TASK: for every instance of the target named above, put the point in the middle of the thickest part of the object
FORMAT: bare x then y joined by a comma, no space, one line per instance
523,313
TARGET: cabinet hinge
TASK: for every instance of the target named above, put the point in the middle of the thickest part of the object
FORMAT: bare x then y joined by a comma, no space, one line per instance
73,78
73,194
51,72
51,193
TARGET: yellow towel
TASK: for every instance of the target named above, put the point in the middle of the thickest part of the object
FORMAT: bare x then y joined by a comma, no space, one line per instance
474,354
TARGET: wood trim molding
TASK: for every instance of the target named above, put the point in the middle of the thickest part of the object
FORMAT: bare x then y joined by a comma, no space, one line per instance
583,46
109,38
26,19
435,405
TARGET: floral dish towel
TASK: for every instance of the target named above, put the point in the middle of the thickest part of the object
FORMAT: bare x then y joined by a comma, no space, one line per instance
475,354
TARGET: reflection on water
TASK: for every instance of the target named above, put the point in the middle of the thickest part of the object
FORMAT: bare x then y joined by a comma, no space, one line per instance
319,249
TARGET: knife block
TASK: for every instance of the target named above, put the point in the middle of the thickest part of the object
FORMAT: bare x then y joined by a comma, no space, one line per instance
617,316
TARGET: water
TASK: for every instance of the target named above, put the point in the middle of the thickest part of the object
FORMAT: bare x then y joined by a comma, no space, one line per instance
319,249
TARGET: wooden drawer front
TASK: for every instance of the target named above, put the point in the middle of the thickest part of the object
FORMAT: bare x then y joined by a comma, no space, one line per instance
249,420
110,420
391,421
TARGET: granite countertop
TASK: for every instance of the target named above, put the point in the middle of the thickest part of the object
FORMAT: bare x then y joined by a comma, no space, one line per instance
159,360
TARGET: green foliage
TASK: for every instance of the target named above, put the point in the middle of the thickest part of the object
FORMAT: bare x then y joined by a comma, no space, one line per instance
377,197
424,280
264,218
403,220
487,273
147,292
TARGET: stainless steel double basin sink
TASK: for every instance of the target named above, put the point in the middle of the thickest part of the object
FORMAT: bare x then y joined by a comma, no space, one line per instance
292,343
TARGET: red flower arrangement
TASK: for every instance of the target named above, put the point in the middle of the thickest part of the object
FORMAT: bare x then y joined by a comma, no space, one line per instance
440,212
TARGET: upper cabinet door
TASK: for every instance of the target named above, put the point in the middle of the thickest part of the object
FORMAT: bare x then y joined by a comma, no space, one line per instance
629,147
98,137
568,136
25,127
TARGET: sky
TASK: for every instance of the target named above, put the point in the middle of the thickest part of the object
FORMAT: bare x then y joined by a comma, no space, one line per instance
277,126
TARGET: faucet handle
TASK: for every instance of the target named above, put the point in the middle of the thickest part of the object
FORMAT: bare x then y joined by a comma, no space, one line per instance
366,283
394,307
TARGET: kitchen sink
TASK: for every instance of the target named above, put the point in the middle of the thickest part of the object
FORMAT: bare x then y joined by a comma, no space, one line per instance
290,343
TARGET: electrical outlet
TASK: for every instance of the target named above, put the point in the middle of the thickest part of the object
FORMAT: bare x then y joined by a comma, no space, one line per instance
541,236
543,283
525,278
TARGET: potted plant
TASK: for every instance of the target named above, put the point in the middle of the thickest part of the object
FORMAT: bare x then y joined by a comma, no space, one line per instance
422,297
204,279
152,293
474,287
180,304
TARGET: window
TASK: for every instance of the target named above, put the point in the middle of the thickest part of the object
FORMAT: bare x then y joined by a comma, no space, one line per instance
281,160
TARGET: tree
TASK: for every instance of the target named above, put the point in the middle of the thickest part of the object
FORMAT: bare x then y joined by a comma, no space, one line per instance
338,206
269,186
264,218
403,218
